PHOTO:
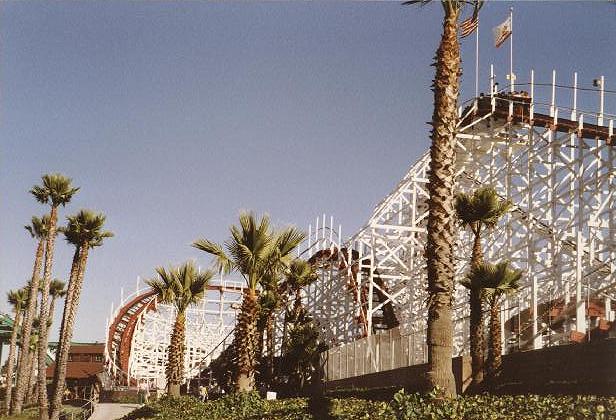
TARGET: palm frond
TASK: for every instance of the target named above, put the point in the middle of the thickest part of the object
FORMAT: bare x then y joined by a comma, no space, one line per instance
181,285
222,262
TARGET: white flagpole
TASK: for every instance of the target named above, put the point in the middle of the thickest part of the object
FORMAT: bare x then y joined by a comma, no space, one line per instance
511,76
477,60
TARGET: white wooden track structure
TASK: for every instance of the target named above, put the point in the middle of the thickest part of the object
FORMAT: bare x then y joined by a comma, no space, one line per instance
557,165
139,331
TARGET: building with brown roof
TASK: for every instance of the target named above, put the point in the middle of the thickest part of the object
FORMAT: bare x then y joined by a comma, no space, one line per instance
85,363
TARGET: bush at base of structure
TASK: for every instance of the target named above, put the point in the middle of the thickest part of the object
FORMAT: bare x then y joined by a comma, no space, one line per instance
479,407
403,406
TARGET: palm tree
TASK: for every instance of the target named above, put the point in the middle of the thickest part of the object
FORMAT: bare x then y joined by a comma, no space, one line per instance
38,230
441,213
181,287
300,275
269,302
85,231
496,280
56,290
478,211
18,299
254,250
56,190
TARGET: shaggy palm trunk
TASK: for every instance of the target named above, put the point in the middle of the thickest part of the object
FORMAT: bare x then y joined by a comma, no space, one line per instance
175,363
10,368
476,318
44,315
441,217
246,342
26,332
71,303
31,378
494,342
269,334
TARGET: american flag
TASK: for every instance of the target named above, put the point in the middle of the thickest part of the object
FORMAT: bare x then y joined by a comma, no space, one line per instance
468,26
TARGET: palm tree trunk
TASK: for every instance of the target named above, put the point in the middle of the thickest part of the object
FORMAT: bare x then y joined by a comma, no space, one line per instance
269,333
175,363
52,308
44,315
31,378
441,217
476,319
78,268
24,376
494,349
11,360
246,342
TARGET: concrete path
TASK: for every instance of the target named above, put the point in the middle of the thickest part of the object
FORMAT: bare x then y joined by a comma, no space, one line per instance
112,411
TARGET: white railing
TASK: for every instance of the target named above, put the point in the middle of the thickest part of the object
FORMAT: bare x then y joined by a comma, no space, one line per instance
375,353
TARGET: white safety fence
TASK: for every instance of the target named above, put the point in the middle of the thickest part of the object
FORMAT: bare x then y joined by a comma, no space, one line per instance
375,353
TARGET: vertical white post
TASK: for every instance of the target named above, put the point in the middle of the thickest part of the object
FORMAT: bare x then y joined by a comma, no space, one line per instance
511,75
323,229
309,239
553,100
121,296
575,91
491,80
532,95
607,308
601,100
580,304
477,62
331,229
316,234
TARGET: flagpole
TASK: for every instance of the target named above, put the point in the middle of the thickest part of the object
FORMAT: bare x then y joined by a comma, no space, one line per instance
477,60
511,76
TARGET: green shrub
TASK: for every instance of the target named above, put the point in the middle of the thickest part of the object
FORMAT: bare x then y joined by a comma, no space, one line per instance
403,407
479,407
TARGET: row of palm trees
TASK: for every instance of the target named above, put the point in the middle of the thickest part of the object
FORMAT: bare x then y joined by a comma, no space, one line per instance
84,230
480,211
263,256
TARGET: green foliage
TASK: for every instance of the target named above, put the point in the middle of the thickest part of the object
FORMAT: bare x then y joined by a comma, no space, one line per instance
245,406
85,229
180,286
481,208
479,407
56,189
300,363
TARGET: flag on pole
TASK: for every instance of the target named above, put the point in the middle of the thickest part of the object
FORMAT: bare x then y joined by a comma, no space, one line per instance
502,32
468,26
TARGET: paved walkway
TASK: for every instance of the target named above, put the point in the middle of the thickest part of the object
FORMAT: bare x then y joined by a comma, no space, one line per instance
112,411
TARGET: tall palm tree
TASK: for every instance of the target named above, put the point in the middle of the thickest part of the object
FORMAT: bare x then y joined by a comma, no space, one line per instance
18,299
38,230
181,287
85,231
56,290
56,190
441,213
478,211
254,250
30,385
496,280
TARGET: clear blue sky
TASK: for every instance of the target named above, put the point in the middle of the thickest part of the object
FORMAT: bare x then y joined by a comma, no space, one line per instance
173,116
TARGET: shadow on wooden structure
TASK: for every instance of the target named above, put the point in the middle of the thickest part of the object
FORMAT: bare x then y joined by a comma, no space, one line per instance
588,368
